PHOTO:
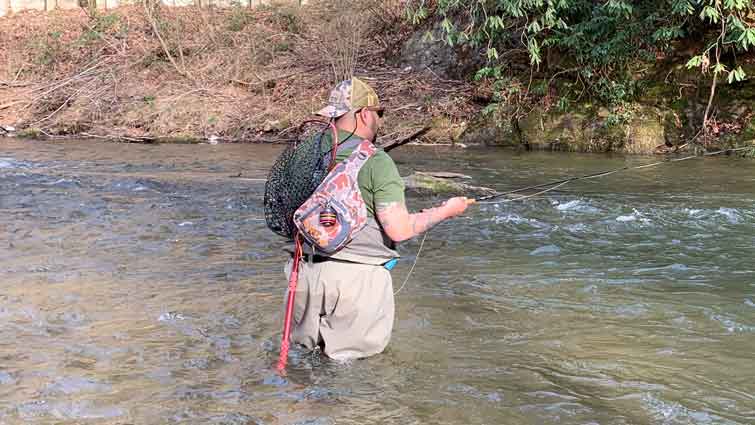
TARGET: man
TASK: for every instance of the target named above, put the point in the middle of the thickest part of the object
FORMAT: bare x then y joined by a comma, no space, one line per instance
344,302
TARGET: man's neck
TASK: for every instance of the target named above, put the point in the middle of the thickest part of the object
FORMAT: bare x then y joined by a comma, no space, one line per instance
358,132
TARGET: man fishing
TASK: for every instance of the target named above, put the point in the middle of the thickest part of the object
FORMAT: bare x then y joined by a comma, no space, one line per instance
344,302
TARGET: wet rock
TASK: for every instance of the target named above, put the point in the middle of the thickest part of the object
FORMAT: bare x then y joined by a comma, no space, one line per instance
430,184
491,130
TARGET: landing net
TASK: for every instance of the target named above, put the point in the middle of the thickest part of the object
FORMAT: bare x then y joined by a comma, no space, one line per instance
296,174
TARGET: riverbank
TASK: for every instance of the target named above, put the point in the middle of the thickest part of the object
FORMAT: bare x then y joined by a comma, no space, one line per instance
236,75
187,74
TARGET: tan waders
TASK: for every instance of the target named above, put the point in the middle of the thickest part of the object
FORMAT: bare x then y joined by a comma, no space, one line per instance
345,307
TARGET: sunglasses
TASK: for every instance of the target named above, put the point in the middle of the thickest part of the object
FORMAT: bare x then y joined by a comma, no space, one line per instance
378,110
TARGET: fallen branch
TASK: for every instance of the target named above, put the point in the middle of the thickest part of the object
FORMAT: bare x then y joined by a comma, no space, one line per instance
13,84
121,138
8,105
394,144
282,77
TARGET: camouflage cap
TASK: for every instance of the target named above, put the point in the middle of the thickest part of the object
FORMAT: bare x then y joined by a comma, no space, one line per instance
349,95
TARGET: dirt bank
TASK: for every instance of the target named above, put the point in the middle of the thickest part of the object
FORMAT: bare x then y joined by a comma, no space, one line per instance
187,73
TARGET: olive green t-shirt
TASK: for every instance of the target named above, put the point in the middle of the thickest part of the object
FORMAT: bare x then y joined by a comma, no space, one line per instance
379,180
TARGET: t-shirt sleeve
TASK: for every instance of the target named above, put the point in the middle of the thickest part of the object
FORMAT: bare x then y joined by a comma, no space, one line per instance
387,184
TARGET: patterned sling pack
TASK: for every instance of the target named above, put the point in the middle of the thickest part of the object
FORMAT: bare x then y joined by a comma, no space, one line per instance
336,211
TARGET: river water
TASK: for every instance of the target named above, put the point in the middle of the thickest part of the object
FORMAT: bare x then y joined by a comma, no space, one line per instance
140,286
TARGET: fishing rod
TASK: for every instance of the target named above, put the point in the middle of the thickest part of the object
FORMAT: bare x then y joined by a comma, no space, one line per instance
555,185
559,183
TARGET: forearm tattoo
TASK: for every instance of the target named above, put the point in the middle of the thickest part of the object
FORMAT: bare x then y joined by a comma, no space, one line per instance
397,221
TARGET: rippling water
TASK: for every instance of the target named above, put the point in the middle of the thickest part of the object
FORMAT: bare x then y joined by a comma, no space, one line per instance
140,286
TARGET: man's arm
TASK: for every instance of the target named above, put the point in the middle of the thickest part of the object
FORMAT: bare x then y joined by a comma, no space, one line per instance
399,225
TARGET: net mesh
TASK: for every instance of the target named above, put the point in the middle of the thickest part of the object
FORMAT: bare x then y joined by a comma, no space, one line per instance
296,174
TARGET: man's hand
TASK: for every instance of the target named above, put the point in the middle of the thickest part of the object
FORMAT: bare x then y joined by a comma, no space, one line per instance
456,206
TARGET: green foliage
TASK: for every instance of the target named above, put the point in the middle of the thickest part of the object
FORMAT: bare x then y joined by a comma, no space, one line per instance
101,25
285,16
618,116
239,18
48,48
603,40
416,12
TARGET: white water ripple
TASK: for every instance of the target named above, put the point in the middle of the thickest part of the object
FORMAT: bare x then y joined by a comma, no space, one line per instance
731,214
576,205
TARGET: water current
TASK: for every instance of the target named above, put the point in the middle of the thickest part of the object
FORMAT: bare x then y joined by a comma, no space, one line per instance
140,285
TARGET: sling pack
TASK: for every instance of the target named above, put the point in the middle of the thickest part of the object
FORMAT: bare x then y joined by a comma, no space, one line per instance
336,211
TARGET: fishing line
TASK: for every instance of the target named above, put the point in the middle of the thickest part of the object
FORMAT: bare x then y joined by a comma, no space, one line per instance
414,264
604,173
556,184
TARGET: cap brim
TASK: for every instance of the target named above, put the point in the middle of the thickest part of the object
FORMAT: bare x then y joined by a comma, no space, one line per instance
331,111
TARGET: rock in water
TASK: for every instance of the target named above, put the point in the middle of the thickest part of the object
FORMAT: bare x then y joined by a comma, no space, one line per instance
441,183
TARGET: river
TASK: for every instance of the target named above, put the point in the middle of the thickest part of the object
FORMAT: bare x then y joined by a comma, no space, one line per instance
140,285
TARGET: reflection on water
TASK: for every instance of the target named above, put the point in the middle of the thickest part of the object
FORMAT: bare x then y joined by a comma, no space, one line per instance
140,285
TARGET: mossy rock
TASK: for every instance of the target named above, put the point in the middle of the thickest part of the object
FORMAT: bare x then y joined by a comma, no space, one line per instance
645,130
490,130
444,130
638,129
179,140
425,184
29,133
581,130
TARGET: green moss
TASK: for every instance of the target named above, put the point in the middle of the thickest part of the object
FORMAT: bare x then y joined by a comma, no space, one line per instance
179,140
29,133
657,93
433,185
749,131
679,104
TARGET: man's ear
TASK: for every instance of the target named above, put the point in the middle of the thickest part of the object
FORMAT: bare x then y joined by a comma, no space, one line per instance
360,116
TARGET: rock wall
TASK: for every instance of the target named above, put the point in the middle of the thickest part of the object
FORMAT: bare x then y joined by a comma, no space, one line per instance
425,49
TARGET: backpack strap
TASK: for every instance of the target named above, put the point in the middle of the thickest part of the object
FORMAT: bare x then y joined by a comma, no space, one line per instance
349,144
